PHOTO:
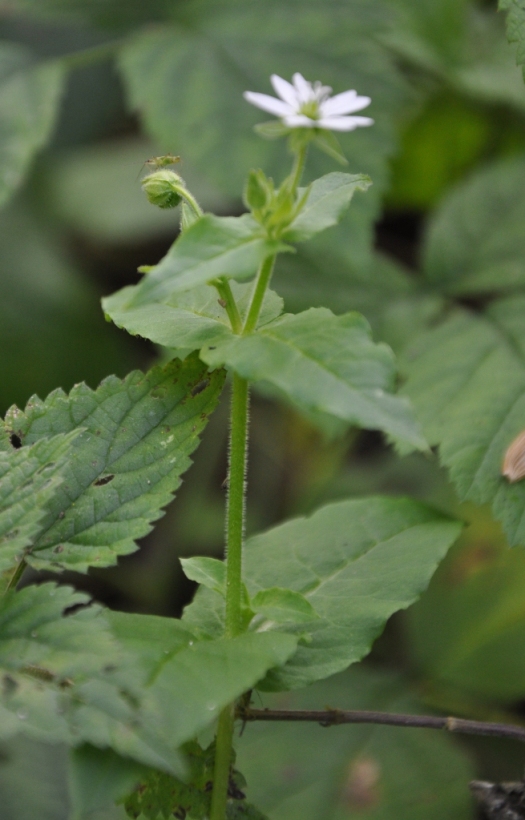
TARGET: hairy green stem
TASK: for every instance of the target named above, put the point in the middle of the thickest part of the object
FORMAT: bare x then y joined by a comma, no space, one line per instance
298,167
225,292
234,539
191,201
261,284
236,504
223,752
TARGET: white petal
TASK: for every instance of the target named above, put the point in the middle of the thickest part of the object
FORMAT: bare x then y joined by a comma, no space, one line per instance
303,88
345,103
299,121
285,90
343,123
267,103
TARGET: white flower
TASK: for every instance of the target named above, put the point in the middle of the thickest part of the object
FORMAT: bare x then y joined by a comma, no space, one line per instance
303,105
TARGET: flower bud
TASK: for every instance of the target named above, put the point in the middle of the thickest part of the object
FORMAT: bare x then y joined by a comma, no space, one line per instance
163,188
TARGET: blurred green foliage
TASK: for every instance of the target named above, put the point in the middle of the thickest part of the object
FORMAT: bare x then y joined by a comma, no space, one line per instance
89,89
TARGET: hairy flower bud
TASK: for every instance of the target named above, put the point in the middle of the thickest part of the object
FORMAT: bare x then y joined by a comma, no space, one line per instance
163,188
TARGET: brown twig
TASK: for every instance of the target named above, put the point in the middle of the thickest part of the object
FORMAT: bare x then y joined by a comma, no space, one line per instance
337,717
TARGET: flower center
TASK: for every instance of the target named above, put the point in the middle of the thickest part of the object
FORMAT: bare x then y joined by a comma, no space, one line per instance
310,109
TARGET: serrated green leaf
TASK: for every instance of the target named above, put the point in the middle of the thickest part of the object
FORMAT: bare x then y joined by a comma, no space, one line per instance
29,477
209,572
466,379
283,606
515,26
476,241
357,562
65,679
212,247
299,771
327,364
29,102
191,319
326,200
138,435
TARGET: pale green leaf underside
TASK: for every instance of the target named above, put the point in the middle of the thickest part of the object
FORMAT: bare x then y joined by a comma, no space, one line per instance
328,198
210,572
467,382
476,241
283,606
29,103
515,26
357,562
212,247
64,679
328,364
28,478
137,437
192,319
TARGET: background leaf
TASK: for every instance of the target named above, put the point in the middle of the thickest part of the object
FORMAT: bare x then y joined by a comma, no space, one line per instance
186,76
475,243
138,435
300,771
29,99
466,379
356,562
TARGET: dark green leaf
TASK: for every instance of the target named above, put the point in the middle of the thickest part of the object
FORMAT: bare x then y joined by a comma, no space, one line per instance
357,562
466,379
29,101
326,200
300,771
212,247
476,241
187,320
327,364
138,435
